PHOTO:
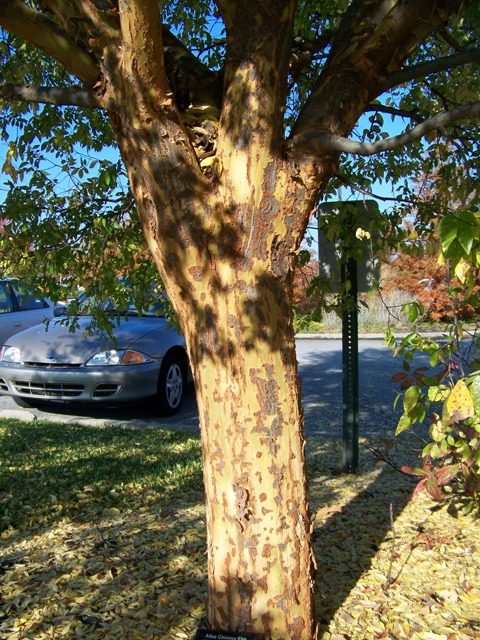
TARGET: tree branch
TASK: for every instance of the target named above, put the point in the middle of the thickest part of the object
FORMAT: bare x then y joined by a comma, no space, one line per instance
325,142
374,37
450,40
142,56
34,27
394,111
427,68
73,96
192,82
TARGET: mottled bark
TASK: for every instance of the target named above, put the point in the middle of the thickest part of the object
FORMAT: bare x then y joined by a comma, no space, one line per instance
230,279
259,554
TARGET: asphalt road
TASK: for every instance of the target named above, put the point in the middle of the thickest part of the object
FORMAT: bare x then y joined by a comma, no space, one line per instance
320,365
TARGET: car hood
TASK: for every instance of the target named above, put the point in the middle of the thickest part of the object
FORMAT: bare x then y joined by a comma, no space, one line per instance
60,346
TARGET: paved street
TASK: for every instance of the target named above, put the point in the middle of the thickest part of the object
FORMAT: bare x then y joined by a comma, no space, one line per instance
320,364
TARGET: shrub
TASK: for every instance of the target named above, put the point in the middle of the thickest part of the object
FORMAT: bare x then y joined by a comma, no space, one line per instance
450,398
375,313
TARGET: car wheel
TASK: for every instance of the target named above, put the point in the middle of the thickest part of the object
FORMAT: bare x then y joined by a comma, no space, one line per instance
171,384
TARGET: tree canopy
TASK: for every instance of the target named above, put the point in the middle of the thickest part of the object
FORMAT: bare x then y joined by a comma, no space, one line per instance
65,182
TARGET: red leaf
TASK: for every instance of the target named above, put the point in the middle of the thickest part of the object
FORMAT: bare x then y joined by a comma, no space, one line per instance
420,486
446,474
406,383
432,488
401,375
415,471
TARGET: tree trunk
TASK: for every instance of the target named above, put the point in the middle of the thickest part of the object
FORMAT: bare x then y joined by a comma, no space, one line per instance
230,279
259,556
225,259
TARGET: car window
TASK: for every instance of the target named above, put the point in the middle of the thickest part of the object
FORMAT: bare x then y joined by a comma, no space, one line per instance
27,301
87,306
6,304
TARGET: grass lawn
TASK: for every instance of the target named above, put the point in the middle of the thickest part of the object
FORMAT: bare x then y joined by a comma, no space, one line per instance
102,535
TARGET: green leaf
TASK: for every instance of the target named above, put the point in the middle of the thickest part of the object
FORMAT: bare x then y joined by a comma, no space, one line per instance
404,423
465,236
433,359
434,451
415,471
411,398
474,387
411,310
447,231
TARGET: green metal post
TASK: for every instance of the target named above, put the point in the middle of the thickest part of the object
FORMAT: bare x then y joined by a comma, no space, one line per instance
350,372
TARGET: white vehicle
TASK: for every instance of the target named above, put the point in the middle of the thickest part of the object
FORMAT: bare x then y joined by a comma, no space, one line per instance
144,360
19,309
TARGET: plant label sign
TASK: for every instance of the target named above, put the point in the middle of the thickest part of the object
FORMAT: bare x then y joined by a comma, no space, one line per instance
209,634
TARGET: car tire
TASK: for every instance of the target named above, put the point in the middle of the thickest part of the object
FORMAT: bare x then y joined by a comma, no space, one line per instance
171,384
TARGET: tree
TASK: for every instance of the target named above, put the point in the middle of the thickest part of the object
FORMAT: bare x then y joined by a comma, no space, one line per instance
306,270
227,153
419,266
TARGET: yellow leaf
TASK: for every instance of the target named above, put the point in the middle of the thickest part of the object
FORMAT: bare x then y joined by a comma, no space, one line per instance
461,270
326,511
459,403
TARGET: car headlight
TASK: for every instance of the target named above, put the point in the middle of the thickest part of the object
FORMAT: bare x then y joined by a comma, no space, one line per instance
113,357
11,354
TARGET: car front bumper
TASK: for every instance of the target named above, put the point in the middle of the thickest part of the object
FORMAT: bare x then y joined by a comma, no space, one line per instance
106,385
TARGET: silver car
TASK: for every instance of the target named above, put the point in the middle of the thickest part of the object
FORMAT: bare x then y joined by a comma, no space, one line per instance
20,309
146,361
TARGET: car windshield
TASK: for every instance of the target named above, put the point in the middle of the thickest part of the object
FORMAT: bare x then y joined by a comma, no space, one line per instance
89,304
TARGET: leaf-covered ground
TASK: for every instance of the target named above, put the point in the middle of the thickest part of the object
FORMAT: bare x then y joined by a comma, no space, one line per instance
88,555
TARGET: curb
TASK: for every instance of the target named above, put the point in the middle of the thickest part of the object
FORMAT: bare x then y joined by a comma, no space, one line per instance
18,414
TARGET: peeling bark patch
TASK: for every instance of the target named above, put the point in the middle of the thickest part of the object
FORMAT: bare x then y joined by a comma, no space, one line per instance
278,602
263,583
197,273
297,627
246,591
242,502
278,474
267,393
219,463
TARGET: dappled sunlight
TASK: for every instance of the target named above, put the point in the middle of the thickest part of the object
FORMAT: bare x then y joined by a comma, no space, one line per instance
136,567
134,572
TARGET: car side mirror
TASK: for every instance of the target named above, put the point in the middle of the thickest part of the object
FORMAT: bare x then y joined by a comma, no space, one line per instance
60,310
